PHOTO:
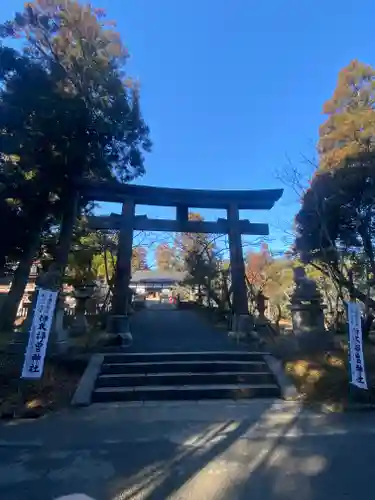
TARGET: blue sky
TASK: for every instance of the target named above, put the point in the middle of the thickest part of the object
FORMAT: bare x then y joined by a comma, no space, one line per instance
230,89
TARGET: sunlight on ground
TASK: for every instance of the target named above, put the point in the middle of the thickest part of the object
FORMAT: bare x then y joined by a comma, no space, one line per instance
320,378
219,461
335,361
298,367
146,481
34,403
313,375
75,496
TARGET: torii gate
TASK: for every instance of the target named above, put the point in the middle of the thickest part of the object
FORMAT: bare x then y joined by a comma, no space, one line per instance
130,195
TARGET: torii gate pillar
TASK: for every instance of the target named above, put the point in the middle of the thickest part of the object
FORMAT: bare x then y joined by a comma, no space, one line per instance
118,323
237,265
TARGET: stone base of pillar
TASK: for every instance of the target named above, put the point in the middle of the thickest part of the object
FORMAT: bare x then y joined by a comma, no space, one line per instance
80,326
59,335
243,323
118,327
58,348
261,320
243,326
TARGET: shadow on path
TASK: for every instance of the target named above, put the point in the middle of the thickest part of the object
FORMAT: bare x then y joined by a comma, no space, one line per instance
196,471
212,451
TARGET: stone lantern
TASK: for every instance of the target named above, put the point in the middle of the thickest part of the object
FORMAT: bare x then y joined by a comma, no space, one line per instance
82,293
307,312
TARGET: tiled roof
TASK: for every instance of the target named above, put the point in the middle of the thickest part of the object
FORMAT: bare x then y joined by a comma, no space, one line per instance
158,276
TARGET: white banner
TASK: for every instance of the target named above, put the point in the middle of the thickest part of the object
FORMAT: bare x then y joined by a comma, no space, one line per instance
38,335
357,365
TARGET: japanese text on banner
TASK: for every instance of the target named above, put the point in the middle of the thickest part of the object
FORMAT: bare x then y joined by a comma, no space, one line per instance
357,365
38,335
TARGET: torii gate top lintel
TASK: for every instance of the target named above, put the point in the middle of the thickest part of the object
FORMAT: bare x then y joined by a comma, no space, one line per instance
112,191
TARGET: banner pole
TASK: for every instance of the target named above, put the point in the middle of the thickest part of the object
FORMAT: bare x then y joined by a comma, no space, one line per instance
356,359
350,385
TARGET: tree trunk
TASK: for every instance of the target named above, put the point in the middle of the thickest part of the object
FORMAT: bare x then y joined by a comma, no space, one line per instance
21,275
10,306
365,233
66,232
199,295
366,326
211,295
2,264
337,319
278,317
226,293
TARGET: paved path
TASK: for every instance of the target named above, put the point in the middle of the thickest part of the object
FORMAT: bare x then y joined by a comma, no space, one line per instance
212,450
165,329
178,451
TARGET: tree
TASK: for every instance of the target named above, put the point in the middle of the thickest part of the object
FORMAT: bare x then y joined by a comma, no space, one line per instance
165,257
13,224
256,267
350,126
188,243
197,255
139,259
66,113
335,225
203,270
104,264
278,287
29,162
270,276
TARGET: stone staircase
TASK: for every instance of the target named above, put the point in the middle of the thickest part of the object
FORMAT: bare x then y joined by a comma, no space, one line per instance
184,376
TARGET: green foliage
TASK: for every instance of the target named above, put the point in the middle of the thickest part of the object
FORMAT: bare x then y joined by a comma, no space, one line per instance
28,162
94,256
337,211
66,112
80,269
104,263
202,268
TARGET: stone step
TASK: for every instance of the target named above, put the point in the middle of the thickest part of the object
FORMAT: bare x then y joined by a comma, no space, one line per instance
159,379
185,367
158,357
187,392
